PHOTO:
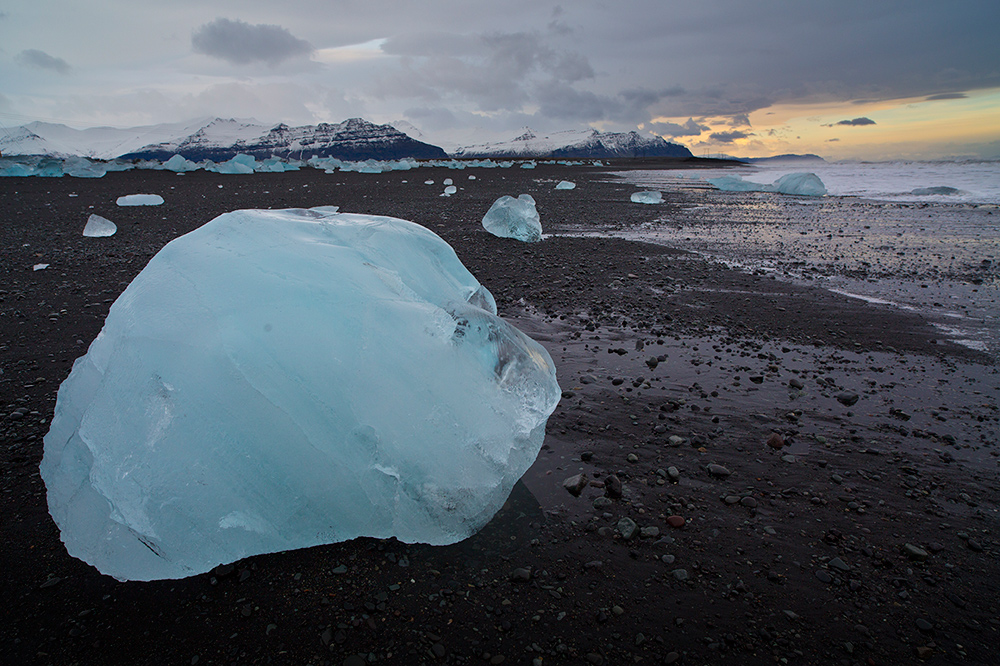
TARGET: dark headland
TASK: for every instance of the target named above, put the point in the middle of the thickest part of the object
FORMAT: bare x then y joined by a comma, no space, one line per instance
778,474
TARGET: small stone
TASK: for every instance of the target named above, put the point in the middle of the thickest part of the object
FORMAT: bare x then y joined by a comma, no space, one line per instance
757,379
650,532
632,458
775,441
627,528
838,563
680,574
339,570
612,486
602,502
575,484
671,658
521,574
788,458
675,440
924,625
673,473
915,552
718,470
749,502
587,456
732,499
668,558
823,576
595,659
847,398
676,521
924,651
974,546
796,384
594,565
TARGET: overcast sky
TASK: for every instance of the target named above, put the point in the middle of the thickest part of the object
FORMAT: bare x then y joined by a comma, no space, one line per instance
844,78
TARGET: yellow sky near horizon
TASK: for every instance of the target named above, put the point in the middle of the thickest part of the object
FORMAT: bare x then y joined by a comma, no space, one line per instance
915,128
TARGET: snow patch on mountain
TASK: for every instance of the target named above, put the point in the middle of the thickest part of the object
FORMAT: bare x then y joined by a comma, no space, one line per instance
584,143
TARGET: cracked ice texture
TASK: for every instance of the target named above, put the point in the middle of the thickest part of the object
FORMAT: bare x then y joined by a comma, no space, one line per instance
514,218
280,379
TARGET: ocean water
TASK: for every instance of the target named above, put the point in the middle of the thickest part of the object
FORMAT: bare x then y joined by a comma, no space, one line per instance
871,237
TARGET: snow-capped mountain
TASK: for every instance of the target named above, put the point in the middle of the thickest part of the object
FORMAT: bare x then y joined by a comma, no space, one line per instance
218,139
576,144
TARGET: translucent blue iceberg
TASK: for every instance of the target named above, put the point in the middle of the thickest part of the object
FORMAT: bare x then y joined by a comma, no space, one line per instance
514,218
280,379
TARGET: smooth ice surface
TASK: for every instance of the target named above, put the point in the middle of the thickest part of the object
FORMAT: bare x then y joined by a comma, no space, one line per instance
565,185
653,197
514,218
450,190
140,200
98,227
280,379
799,184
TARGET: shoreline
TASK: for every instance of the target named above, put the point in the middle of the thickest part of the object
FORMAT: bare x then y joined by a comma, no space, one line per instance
798,552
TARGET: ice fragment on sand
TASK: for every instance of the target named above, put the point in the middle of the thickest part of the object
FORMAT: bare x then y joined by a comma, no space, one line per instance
450,190
653,197
514,218
799,184
39,267
140,200
565,185
98,227
279,379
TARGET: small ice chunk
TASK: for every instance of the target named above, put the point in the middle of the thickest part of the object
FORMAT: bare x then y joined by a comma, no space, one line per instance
39,267
471,177
565,185
651,197
241,163
278,379
448,181
98,227
514,218
140,200
428,182
450,190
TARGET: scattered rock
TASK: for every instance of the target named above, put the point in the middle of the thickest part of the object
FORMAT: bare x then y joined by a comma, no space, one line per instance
676,521
627,528
613,486
575,484
718,470
847,398
775,441
915,553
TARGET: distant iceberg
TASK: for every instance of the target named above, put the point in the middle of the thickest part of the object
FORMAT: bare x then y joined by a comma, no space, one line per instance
179,164
942,190
797,184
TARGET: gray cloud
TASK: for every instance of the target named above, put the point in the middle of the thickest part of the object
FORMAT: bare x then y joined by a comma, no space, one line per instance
241,43
855,122
42,60
956,95
690,128
728,137
494,71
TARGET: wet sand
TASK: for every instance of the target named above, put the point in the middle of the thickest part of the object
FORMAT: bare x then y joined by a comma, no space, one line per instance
868,536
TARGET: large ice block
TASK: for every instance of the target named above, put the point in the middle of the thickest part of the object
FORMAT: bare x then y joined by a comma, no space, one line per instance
281,379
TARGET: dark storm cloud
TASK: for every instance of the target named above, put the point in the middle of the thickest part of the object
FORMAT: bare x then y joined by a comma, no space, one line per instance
855,122
42,60
241,43
934,98
728,137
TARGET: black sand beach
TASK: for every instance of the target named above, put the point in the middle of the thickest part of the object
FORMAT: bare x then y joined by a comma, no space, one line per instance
830,464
